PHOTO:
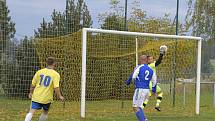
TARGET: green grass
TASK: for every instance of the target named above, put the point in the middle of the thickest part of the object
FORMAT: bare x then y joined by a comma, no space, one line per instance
131,117
109,110
113,110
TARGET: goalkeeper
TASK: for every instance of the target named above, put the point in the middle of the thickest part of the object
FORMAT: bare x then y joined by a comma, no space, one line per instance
155,89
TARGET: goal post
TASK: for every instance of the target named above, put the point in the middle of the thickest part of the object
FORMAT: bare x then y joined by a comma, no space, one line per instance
198,78
84,70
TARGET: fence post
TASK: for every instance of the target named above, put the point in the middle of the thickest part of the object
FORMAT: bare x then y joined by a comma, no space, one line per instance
184,95
214,96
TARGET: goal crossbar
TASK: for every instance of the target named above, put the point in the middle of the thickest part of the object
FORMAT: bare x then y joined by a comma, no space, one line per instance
84,59
140,34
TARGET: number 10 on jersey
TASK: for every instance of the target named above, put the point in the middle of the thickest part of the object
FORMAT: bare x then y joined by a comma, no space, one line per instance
45,80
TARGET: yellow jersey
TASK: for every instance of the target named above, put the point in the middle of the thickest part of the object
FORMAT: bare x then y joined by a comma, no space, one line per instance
152,66
45,80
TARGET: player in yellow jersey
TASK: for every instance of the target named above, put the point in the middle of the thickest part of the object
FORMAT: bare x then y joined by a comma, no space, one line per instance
155,89
44,83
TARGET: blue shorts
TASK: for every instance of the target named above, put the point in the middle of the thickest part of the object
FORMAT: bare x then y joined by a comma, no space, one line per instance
36,105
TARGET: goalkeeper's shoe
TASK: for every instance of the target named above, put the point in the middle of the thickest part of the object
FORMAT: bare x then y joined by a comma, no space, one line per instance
158,108
146,119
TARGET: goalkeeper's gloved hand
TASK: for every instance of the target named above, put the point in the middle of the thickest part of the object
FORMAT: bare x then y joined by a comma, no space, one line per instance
162,51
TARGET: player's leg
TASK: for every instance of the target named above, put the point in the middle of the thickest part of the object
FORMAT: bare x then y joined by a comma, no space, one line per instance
29,115
145,103
139,113
150,94
138,99
44,114
159,98
34,106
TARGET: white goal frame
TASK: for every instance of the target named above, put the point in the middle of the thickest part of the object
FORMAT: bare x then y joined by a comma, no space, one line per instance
84,59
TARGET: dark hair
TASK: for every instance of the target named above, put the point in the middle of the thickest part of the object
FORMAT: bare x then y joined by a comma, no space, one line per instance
50,61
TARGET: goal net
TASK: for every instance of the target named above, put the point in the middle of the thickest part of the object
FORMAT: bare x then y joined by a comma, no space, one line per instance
93,66
109,57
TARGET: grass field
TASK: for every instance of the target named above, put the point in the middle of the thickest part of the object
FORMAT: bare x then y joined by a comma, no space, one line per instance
110,110
115,110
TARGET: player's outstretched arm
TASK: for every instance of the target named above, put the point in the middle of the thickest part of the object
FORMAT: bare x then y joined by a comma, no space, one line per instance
163,50
57,91
158,62
128,82
133,76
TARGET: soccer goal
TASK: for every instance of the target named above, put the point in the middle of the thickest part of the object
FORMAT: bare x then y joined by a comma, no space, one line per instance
109,56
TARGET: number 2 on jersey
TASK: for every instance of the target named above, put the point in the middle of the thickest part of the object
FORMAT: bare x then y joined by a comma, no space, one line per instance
146,75
45,81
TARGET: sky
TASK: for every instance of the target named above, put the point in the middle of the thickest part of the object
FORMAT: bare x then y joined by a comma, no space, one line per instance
28,14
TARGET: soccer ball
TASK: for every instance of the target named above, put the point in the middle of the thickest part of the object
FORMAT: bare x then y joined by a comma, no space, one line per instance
163,48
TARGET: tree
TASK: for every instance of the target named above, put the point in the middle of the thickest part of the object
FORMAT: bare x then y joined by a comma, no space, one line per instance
7,48
113,19
9,69
43,30
7,27
113,22
200,20
138,20
28,64
71,20
20,63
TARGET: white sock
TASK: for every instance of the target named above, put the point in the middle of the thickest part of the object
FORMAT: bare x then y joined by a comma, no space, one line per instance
42,117
28,117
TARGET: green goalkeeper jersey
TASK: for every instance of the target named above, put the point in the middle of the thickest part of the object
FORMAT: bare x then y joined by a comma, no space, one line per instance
152,66
156,63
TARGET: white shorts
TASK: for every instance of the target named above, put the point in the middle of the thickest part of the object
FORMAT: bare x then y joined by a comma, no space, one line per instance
140,95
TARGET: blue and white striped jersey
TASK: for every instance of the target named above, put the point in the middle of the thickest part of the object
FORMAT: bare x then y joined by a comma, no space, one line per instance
141,76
